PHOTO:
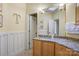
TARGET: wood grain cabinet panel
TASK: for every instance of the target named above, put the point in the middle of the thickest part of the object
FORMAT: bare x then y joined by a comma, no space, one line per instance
75,53
47,48
62,51
37,48
59,50
68,52
77,15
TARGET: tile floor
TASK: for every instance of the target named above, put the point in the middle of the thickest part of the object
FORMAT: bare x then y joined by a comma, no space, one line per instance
25,53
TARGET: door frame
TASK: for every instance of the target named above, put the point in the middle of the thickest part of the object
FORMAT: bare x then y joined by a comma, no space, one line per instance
29,26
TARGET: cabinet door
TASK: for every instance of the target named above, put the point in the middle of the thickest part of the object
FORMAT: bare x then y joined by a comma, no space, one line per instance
37,48
47,49
62,51
77,13
68,51
75,53
70,12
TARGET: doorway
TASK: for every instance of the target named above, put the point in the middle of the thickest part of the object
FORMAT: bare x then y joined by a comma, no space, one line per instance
32,28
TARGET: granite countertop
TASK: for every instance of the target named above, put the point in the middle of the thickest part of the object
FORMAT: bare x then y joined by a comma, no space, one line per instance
69,43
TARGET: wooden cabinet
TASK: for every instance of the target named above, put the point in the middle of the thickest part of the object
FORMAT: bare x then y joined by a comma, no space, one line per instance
47,48
77,14
72,13
59,50
75,53
43,48
37,48
62,51
68,52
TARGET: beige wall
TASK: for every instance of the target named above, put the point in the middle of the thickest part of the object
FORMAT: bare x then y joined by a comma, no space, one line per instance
9,21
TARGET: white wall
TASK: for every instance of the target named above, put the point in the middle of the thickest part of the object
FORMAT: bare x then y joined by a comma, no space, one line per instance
11,43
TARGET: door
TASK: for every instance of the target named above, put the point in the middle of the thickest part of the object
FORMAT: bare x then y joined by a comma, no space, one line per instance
33,29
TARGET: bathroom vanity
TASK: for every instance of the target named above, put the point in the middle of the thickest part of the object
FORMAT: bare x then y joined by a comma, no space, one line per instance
55,47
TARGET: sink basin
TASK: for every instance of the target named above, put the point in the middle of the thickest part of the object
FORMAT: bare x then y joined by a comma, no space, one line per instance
45,36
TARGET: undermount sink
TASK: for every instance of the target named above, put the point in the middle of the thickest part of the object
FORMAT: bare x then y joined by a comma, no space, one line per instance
45,36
